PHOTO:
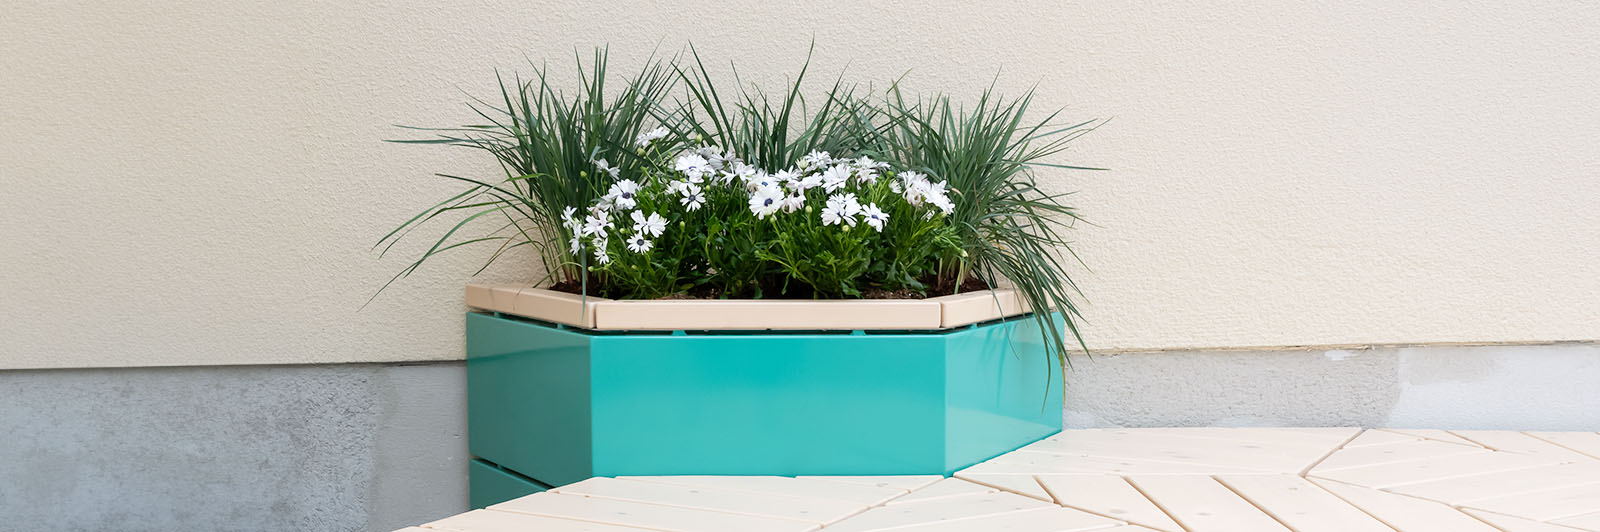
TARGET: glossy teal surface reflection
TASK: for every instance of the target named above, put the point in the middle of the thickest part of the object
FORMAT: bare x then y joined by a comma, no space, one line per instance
560,405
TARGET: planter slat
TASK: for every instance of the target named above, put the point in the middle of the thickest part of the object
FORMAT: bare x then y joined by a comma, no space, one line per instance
978,307
764,315
600,313
536,303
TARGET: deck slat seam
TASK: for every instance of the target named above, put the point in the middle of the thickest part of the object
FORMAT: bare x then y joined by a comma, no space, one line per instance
1335,449
1557,444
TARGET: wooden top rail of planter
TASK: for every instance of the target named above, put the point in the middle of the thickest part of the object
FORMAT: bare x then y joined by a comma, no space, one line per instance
599,313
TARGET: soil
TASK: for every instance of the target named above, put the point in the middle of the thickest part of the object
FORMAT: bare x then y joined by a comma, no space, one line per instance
705,292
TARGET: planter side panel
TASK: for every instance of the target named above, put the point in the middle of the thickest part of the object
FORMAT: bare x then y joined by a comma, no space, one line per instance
1004,391
784,404
528,398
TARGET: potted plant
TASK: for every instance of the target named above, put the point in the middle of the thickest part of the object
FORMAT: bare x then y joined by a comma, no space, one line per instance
739,284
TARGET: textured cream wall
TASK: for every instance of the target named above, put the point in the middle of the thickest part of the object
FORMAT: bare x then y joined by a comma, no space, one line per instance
198,182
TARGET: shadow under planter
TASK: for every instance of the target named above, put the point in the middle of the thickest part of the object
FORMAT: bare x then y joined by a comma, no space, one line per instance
550,404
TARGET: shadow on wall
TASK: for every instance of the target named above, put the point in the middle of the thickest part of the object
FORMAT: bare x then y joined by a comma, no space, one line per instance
1526,387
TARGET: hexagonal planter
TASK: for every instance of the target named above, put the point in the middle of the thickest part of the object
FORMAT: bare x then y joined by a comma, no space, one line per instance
551,403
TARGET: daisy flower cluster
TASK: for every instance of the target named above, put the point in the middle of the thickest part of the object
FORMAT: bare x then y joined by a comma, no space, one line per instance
665,213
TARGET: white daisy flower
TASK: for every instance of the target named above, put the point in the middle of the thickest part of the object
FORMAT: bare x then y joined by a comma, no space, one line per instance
850,204
600,254
794,202
624,194
943,203
606,167
867,169
597,226
816,159
866,176
760,180
874,216
644,139
841,208
915,185
786,176
936,195
652,225
692,198
569,221
765,201
867,162
835,178
832,214
740,171
692,165
714,156
639,244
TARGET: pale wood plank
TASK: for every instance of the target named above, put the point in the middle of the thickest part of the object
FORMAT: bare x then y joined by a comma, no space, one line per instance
944,510
1322,438
479,296
523,300
1388,454
1405,514
1418,471
1107,495
1301,505
645,515
968,308
1546,505
1024,462
503,297
1210,452
950,487
1435,435
1200,504
1379,437
765,314
1459,491
1585,521
494,521
1508,523
811,510
1040,520
902,482
1587,443
1024,485
786,486
1517,442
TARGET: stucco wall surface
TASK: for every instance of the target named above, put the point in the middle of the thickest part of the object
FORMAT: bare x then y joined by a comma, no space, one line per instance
344,447
200,182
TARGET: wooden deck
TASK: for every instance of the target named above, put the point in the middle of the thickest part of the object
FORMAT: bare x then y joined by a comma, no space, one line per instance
1175,480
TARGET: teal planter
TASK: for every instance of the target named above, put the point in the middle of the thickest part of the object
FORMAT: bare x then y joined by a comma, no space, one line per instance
560,404
488,485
